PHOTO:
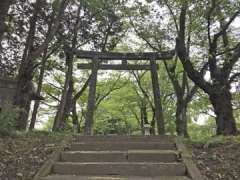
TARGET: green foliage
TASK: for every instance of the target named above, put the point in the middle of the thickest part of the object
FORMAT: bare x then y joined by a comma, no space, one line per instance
8,117
115,114
199,133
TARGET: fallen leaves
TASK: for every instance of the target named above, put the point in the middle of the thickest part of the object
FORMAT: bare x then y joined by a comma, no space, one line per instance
20,158
219,162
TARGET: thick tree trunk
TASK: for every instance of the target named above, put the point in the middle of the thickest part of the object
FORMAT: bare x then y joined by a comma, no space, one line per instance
181,119
23,95
68,105
23,98
221,101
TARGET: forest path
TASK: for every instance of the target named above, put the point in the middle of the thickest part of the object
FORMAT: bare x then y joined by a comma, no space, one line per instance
121,157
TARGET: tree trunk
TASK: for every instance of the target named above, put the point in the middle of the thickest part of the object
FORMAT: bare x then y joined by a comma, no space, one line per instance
142,121
58,120
153,124
144,118
65,105
181,119
68,105
23,98
221,101
39,89
76,123
23,95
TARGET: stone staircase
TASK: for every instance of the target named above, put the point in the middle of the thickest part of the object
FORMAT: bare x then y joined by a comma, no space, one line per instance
119,158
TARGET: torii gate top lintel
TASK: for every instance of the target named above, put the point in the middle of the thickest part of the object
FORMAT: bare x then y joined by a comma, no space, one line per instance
165,55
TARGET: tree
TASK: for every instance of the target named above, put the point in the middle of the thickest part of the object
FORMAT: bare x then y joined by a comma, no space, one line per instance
31,53
154,38
66,99
223,54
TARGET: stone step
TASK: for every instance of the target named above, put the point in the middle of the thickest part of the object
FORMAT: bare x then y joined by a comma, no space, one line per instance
120,169
72,177
125,138
111,146
120,156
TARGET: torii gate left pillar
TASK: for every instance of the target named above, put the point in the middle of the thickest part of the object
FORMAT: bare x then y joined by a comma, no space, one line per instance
91,98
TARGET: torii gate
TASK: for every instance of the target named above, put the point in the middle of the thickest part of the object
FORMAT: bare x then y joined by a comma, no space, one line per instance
95,65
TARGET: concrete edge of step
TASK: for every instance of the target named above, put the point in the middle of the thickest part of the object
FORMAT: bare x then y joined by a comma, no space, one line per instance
46,168
71,177
192,171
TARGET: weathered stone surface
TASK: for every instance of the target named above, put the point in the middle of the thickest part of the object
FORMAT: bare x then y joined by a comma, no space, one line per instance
102,146
94,156
115,138
120,168
72,177
120,156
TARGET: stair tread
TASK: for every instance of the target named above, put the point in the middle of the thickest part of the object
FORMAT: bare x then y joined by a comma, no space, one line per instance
126,142
120,156
124,152
120,168
72,177
118,146
120,163
134,137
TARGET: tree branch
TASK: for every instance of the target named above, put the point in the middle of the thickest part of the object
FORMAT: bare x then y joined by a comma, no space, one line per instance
53,31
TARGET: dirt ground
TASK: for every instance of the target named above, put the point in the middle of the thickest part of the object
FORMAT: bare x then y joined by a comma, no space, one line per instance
218,161
21,157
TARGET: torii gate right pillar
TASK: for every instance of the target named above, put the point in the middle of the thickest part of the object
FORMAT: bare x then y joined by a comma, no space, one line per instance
157,98
89,122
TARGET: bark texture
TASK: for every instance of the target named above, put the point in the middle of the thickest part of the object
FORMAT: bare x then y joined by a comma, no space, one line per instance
225,121
25,75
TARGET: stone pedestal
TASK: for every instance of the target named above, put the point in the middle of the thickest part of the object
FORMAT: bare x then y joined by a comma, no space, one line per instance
147,128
